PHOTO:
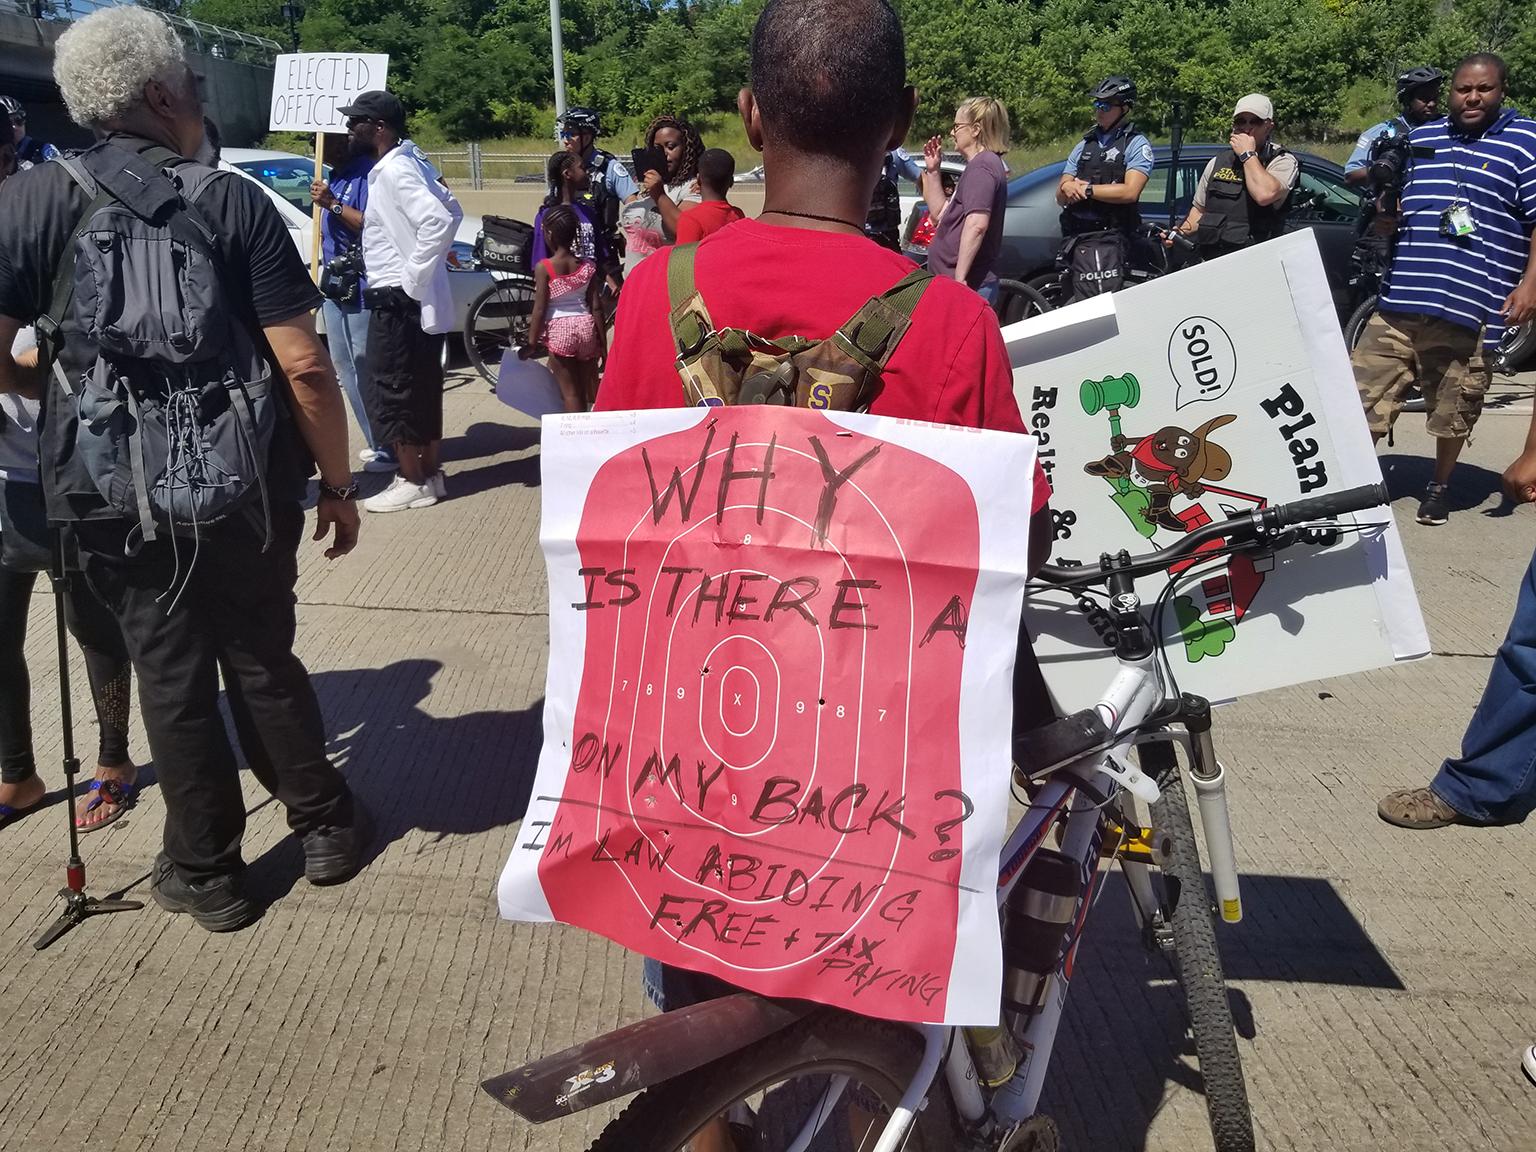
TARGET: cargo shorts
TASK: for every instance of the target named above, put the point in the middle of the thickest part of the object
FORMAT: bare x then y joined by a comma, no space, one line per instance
1398,349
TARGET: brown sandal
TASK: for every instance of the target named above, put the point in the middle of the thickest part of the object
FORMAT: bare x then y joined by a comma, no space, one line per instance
1418,808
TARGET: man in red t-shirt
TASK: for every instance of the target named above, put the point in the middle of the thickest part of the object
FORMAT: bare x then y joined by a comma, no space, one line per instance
805,267
717,172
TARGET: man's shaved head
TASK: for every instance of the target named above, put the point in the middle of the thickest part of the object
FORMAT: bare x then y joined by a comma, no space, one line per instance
828,75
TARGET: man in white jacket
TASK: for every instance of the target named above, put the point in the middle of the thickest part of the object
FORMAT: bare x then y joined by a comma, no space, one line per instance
407,231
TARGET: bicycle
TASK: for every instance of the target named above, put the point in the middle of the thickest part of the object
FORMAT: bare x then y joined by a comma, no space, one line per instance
498,320
1020,300
777,1071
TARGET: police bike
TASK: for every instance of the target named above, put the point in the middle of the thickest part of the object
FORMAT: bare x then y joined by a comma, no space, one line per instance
790,1076
1146,259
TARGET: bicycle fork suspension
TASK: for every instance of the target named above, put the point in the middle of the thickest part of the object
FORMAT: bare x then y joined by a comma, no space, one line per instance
1210,780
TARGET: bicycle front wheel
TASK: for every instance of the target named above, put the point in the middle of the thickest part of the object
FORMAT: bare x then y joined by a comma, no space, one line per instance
1354,327
498,320
1018,301
764,1095
1191,916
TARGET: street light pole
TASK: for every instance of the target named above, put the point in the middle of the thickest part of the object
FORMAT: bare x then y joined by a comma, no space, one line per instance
557,48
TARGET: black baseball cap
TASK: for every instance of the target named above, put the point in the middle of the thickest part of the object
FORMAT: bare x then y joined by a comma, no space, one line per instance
378,105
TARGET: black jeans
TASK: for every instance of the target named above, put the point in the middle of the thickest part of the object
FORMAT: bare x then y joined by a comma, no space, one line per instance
235,617
94,629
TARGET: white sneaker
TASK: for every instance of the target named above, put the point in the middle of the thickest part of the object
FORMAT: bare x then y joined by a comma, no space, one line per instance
1528,1062
380,462
400,495
368,454
439,484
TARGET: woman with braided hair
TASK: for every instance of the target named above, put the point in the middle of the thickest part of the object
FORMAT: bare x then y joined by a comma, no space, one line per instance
649,220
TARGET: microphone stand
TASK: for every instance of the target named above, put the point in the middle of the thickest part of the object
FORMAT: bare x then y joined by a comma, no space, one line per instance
77,905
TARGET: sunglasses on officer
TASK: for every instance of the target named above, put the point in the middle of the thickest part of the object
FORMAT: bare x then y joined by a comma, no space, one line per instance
1105,105
1245,122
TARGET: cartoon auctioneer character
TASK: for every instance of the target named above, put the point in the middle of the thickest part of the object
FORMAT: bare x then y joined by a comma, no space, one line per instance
1168,463
1145,473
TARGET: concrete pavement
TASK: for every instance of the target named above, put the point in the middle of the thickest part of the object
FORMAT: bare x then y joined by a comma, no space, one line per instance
1384,979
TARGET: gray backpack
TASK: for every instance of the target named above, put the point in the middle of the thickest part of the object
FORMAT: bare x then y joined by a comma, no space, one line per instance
177,413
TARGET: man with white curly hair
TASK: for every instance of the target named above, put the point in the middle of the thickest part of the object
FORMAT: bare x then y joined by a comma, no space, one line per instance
124,74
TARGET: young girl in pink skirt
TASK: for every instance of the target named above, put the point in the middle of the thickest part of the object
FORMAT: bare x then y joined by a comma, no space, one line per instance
567,311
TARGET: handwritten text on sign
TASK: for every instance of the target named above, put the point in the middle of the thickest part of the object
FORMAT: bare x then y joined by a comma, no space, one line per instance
309,89
764,776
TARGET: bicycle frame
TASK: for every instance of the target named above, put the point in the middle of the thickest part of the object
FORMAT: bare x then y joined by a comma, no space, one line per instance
1081,790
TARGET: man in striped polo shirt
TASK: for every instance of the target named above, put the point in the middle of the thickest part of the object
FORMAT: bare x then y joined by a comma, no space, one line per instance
1463,267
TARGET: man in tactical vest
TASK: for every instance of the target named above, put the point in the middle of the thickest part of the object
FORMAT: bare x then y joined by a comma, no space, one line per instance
609,183
883,224
1241,198
1099,188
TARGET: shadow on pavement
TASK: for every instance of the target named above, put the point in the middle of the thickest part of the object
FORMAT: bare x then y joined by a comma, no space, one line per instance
446,775
1406,477
1124,1037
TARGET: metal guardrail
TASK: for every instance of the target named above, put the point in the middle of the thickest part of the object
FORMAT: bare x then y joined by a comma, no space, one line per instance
481,169
208,39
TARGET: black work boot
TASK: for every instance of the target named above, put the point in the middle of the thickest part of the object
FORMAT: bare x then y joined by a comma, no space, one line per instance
333,855
219,905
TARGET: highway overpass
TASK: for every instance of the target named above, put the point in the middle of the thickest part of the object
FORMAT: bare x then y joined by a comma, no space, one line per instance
237,69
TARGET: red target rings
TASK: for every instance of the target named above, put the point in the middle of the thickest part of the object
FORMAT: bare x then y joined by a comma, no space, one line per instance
764,774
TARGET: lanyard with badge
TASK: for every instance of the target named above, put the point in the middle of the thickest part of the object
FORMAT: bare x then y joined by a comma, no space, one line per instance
1456,220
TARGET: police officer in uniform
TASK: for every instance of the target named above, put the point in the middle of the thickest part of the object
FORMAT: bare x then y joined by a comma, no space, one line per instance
1242,195
1100,185
609,183
29,151
883,225
1418,95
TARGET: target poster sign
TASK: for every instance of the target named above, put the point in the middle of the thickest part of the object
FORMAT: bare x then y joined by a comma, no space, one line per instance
776,737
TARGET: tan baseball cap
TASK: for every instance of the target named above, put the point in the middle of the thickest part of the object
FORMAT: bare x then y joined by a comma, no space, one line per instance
1255,105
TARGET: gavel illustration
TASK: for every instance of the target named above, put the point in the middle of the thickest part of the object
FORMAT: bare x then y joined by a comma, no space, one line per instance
1110,395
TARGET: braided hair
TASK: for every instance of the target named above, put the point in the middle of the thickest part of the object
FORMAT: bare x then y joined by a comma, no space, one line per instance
555,169
693,146
560,227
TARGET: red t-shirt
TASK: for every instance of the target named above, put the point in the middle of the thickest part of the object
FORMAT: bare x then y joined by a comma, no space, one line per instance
699,220
950,368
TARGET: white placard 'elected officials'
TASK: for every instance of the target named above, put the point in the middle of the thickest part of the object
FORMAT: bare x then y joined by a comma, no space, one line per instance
309,89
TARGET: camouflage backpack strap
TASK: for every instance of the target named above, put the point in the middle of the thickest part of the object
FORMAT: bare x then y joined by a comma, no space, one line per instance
843,373
693,334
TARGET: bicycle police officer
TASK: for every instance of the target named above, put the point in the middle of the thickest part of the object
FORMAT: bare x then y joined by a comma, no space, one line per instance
1418,95
609,183
1099,188
883,224
30,151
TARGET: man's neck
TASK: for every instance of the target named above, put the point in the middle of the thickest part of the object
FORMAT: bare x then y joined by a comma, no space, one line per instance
796,182
710,196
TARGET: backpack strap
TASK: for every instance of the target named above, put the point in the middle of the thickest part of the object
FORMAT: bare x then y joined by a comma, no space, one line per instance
876,329
51,322
692,328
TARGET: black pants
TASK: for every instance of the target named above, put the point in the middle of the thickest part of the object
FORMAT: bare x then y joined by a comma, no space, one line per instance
403,391
24,545
235,618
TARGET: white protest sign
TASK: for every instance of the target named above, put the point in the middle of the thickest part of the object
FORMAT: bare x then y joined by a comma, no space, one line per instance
1215,391
773,750
309,89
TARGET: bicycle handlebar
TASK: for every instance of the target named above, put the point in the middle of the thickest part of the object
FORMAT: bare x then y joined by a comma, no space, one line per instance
1249,526
1177,238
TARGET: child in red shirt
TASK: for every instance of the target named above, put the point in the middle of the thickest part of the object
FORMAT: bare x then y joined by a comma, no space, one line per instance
717,172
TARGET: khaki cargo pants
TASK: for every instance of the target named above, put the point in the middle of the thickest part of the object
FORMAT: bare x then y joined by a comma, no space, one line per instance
1399,349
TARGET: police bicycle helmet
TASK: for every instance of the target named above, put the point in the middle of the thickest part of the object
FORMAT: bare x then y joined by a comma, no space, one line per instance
12,107
581,120
1414,79
1117,88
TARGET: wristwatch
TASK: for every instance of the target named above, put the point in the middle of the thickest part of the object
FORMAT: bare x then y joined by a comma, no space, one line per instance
330,491
1088,192
335,208
1244,157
